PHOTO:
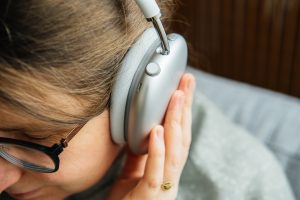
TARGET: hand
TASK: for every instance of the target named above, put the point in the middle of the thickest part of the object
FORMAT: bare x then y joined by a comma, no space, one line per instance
142,176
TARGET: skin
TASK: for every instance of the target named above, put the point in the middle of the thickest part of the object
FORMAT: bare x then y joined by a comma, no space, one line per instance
91,153
93,141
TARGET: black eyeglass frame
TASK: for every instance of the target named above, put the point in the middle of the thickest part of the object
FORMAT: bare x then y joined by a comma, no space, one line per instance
53,152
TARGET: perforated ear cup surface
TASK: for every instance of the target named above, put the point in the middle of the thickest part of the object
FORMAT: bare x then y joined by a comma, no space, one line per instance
124,78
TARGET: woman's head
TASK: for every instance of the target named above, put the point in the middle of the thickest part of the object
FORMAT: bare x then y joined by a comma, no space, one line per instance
58,61
63,48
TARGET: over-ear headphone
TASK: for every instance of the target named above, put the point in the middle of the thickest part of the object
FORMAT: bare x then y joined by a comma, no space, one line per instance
149,74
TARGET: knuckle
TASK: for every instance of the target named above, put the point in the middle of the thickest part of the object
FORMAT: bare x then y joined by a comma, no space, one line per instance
153,183
174,162
175,124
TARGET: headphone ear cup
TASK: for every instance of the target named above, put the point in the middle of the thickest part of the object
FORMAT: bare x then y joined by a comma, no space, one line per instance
144,85
121,87
151,90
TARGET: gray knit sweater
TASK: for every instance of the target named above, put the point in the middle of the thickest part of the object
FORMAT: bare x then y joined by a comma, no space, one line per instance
227,163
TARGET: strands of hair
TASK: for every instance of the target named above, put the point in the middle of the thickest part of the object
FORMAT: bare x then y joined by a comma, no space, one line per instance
65,50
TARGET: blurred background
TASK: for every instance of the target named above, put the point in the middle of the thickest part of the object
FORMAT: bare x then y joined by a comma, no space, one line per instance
253,41
244,44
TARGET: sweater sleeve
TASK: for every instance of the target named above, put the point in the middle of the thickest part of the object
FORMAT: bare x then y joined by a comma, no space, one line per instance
226,162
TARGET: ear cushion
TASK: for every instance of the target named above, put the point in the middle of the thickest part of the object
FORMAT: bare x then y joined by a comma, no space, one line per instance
124,78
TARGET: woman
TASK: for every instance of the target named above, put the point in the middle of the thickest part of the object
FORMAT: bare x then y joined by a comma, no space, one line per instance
58,62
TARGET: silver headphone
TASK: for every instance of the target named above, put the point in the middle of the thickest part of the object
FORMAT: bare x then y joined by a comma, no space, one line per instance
149,74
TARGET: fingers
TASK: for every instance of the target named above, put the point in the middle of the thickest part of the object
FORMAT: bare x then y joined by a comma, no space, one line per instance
168,146
187,85
173,137
149,185
143,173
134,166
178,128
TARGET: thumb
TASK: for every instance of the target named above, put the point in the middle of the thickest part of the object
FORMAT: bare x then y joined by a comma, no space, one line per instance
134,166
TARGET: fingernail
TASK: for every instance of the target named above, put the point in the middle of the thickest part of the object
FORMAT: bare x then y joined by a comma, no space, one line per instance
191,84
180,100
159,133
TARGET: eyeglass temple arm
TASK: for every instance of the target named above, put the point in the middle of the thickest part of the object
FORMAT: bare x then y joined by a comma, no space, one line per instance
64,142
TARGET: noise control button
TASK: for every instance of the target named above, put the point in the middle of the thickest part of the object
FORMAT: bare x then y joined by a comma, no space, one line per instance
172,37
153,69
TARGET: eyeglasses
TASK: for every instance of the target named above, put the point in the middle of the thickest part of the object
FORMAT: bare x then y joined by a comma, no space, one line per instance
32,156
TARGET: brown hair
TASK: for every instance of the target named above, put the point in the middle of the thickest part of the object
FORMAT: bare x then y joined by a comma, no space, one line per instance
70,48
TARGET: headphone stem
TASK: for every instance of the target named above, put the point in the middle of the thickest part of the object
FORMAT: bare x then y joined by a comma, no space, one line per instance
161,33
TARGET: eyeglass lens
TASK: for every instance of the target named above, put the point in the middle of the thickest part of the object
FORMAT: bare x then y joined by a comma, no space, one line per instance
28,158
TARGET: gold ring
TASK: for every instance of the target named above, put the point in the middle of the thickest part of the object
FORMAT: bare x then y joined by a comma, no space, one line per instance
166,186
